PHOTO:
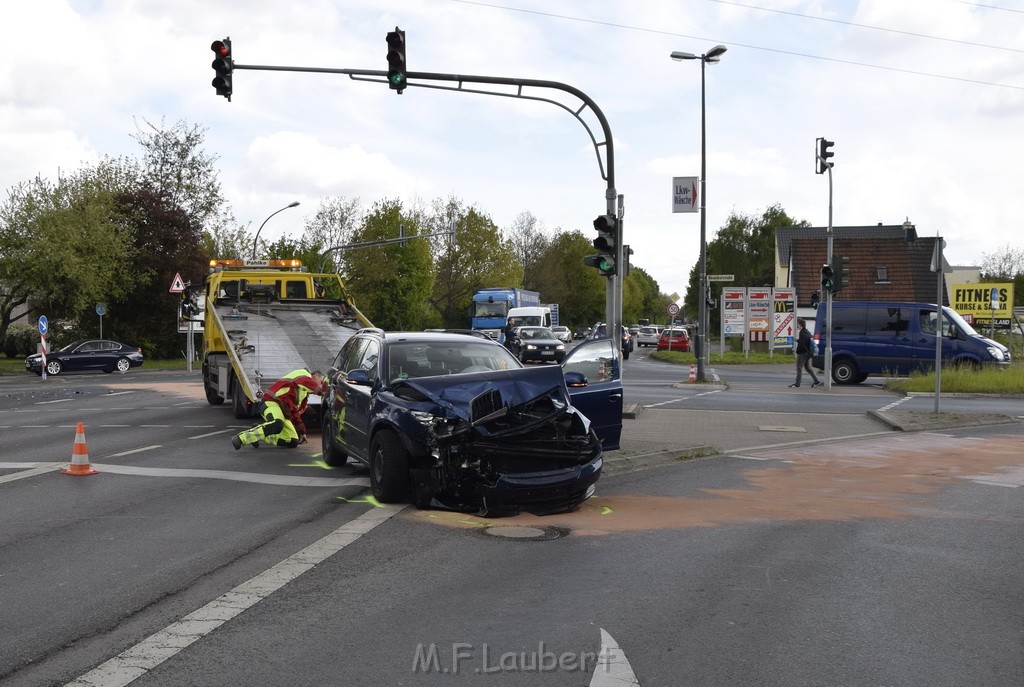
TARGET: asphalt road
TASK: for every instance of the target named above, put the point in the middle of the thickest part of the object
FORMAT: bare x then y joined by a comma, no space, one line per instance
885,560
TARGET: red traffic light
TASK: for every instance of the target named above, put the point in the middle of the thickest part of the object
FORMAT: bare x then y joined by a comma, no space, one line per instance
221,48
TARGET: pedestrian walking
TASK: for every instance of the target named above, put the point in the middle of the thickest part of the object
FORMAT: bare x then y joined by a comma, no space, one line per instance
804,350
281,411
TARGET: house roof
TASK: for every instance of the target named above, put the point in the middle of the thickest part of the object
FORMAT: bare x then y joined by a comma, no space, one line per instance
880,268
784,236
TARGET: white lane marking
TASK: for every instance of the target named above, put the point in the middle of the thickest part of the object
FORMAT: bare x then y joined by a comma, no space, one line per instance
59,400
612,669
249,477
136,450
120,393
211,434
39,469
138,660
894,404
703,393
158,426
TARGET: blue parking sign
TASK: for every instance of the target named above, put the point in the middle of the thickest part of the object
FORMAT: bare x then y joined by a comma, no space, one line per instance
43,325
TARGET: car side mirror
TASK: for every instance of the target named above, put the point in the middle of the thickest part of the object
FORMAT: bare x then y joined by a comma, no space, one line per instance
358,377
576,380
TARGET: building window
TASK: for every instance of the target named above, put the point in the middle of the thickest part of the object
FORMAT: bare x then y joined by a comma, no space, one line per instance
881,275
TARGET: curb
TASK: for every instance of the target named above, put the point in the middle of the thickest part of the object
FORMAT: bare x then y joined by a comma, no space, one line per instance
621,465
920,422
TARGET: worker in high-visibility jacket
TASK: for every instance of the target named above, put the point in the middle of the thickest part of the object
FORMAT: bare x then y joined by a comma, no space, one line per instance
282,408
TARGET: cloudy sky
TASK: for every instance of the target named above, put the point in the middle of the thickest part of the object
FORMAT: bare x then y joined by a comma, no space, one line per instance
923,98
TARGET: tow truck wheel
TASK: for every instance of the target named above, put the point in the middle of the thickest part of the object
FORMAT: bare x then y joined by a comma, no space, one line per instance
241,410
389,468
212,397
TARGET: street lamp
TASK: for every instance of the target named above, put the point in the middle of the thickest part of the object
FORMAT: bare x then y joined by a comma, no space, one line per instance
711,56
289,205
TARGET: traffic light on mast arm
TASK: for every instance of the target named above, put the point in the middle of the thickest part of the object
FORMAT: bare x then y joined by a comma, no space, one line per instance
607,239
396,60
840,272
824,152
224,66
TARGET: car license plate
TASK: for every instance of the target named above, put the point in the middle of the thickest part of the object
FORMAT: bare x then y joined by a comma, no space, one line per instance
547,352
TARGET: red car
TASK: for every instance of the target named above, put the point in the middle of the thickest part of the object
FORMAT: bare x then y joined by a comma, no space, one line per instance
674,340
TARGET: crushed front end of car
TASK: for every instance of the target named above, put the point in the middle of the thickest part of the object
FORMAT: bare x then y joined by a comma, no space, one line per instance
499,443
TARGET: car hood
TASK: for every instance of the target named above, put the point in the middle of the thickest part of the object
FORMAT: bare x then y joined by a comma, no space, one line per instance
476,397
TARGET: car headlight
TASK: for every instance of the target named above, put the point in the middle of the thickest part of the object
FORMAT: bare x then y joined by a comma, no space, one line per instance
424,418
560,347
531,347
996,353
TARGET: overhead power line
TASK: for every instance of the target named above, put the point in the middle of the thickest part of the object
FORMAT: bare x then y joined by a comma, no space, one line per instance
745,45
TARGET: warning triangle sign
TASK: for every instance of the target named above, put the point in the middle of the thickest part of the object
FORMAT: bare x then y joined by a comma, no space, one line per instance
177,286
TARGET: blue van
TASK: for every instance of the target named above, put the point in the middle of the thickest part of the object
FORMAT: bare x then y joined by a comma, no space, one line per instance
876,337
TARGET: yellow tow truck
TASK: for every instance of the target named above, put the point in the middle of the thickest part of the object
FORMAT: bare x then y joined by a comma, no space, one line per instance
265,318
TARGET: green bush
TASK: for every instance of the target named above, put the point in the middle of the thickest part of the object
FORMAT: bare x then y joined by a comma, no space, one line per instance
21,340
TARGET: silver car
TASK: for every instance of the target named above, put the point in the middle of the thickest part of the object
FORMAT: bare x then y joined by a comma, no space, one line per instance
648,336
562,333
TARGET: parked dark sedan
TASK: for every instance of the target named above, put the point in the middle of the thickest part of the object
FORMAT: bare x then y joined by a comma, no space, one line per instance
90,355
539,344
453,421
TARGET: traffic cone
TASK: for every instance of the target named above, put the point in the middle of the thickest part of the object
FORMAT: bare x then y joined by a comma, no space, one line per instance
693,373
79,455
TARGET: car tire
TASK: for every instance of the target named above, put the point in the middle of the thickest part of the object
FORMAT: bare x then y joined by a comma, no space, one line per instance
332,455
389,468
123,365
53,367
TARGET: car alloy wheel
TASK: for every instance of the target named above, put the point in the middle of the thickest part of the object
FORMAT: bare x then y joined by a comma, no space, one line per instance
123,365
53,367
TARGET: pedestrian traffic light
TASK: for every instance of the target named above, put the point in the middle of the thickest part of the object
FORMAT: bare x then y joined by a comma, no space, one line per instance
828,281
607,239
224,66
840,273
815,299
396,60
823,154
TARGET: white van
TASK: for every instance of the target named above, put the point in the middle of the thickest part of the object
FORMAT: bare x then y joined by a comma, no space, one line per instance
531,316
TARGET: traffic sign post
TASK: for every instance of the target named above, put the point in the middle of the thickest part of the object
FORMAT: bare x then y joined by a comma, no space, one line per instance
44,326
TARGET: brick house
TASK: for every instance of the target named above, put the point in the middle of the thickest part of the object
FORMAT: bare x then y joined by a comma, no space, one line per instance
887,262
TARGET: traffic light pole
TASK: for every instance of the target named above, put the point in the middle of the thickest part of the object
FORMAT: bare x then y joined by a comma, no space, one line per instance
828,292
613,292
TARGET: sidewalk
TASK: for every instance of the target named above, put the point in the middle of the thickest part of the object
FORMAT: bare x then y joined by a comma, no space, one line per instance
657,436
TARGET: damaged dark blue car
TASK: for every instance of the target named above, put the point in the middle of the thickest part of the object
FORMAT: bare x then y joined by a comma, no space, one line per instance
457,422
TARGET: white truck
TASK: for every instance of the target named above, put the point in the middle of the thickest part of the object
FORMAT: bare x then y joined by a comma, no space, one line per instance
532,316
266,318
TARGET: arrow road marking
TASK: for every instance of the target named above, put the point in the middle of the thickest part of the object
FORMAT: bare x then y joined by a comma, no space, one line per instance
613,669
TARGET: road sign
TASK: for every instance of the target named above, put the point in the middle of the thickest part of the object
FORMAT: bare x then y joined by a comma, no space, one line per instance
721,277
44,325
177,285
673,309
684,194
101,309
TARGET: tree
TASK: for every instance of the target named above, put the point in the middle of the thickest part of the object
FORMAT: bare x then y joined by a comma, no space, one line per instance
478,258
1003,265
166,242
579,290
390,282
334,224
64,246
530,242
744,247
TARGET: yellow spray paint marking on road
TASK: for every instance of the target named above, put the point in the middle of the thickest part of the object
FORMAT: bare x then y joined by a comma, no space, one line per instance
605,510
314,464
461,520
364,499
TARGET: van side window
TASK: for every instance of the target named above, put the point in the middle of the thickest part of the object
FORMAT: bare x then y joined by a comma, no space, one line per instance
295,289
927,321
848,321
887,321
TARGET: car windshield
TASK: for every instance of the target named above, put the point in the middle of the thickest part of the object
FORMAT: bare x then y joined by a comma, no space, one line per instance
535,333
430,358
